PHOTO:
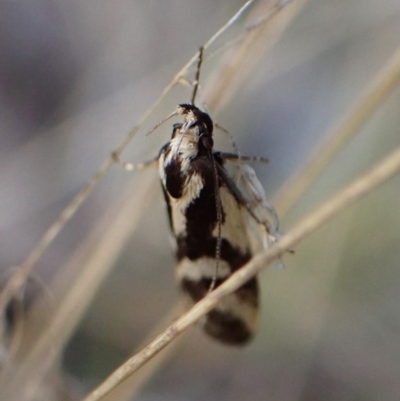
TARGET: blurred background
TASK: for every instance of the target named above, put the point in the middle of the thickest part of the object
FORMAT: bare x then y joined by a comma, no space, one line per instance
76,76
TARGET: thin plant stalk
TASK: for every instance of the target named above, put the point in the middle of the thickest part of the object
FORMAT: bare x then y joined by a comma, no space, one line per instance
43,351
379,89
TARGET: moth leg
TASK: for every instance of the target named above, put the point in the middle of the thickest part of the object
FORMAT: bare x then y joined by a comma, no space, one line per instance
231,138
234,157
131,167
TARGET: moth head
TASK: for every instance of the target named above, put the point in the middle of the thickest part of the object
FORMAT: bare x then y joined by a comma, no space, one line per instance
198,123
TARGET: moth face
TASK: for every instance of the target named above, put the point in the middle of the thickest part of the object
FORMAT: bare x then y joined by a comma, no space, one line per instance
197,128
185,142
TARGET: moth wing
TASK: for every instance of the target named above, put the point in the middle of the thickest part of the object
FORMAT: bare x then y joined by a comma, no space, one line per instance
265,230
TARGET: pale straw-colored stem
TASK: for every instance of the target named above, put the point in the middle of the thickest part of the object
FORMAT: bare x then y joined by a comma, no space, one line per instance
381,86
40,353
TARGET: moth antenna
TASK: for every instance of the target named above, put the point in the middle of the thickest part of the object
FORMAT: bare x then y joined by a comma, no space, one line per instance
220,127
197,77
219,221
232,139
197,89
175,113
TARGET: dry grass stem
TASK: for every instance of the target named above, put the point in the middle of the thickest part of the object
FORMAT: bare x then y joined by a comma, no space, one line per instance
130,387
321,215
38,355
23,271
376,92
240,62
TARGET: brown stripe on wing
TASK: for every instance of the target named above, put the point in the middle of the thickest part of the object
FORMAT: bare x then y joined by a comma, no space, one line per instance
234,319
227,328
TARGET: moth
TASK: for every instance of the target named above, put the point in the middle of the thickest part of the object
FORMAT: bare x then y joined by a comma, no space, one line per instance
215,219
